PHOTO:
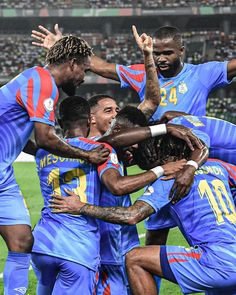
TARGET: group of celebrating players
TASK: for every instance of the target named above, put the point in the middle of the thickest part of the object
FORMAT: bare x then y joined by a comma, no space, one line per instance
86,240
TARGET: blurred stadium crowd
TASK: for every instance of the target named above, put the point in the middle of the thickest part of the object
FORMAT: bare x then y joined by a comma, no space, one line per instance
115,43
17,52
26,4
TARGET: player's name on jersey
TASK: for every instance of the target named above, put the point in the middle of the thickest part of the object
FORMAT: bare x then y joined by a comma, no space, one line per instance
52,159
210,169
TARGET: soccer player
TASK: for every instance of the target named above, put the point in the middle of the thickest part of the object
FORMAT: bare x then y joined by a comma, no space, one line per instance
63,267
183,87
209,265
112,275
27,102
103,110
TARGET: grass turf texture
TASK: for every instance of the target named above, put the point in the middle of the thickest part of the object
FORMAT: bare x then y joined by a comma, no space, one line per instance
27,179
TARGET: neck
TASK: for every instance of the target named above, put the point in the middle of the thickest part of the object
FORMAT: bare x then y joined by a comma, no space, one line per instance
76,132
94,132
56,71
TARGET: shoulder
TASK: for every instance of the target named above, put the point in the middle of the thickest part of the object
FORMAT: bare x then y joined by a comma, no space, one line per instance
132,68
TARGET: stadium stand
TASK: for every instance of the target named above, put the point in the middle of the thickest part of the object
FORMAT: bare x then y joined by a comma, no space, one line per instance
67,4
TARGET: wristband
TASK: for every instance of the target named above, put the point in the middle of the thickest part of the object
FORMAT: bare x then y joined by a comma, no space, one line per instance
159,171
157,130
192,163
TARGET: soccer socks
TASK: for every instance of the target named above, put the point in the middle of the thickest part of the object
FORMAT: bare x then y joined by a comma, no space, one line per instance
15,275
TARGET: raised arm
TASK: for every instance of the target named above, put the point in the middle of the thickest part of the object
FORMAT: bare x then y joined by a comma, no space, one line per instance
47,39
152,93
120,215
47,139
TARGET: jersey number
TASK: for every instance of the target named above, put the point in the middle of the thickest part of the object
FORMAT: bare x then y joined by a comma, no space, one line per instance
219,200
78,174
172,96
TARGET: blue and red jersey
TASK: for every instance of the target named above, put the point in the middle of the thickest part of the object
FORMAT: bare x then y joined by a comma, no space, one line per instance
30,97
187,92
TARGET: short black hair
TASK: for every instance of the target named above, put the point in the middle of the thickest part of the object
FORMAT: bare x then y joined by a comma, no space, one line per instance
74,108
159,150
169,32
67,48
94,100
133,115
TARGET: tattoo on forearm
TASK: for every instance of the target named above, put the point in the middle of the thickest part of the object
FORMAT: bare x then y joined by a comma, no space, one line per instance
120,215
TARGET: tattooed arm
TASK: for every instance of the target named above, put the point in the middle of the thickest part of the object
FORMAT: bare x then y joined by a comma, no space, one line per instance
152,93
121,215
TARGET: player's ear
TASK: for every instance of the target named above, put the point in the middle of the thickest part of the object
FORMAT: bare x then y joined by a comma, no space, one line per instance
92,119
182,50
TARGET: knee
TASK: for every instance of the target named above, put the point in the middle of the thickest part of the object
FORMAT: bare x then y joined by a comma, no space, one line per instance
22,243
132,258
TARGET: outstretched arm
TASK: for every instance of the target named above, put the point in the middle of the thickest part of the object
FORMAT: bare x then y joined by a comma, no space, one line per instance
47,139
131,136
47,39
152,93
120,215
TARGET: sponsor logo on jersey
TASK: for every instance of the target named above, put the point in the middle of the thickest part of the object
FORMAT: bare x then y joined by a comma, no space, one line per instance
48,104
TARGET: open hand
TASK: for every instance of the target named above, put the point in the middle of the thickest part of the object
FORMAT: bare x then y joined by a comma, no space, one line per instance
171,168
98,155
46,39
70,204
185,134
183,181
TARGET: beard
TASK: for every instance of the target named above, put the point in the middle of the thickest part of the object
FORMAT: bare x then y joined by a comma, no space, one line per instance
173,68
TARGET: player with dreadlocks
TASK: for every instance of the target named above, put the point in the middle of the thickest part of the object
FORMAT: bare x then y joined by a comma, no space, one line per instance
28,102
209,265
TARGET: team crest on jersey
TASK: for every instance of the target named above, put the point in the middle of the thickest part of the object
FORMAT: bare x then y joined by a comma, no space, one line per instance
183,88
48,104
149,191
114,159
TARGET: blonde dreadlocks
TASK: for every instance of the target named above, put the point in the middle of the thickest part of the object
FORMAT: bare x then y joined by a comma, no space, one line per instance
67,48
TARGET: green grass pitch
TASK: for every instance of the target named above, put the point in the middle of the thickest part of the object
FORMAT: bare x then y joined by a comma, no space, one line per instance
27,178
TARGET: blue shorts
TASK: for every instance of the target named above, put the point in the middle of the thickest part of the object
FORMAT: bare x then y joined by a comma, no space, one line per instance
111,280
184,267
13,209
63,276
160,220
